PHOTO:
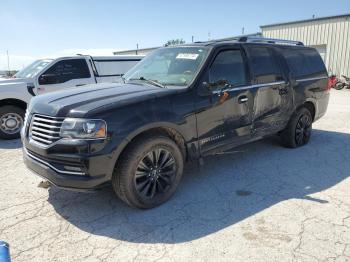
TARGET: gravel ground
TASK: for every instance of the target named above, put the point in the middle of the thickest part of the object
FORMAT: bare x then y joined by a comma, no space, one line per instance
263,202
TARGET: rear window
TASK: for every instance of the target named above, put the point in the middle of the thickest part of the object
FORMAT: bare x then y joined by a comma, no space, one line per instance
114,67
304,63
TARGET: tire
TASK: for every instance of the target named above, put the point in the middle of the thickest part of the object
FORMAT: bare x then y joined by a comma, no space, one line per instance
11,121
141,183
339,86
299,129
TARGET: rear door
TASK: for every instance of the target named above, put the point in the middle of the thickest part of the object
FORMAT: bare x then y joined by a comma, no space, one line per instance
66,73
273,96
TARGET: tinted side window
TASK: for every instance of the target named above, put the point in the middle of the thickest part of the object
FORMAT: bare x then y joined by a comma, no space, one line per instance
264,65
229,66
304,62
314,63
64,71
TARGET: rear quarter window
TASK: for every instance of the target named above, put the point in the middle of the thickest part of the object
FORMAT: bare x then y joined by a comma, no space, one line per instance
304,63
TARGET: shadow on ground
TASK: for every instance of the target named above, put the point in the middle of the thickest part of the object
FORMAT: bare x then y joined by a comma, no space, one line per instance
10,144
228,189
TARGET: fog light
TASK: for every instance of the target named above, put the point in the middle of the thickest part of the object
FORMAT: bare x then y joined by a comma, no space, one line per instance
73,168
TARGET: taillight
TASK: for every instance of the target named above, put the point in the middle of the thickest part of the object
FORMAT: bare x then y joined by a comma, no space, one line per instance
331,82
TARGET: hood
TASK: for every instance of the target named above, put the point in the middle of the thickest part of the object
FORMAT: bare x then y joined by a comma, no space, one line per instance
15,80
14,86
93,99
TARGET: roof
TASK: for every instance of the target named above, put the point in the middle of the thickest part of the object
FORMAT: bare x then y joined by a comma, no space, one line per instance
190,44
118,57
134,50
308,20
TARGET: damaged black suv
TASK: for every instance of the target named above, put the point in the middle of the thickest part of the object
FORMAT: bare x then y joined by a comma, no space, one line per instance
178,104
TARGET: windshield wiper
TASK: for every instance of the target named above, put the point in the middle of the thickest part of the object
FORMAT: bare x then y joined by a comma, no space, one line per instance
150,81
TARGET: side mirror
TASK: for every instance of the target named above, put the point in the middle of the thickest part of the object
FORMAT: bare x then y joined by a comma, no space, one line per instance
222,83
210,88
48,79
205,89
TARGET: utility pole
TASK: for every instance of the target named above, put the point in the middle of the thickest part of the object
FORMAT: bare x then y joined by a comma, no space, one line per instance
137,48
209,36
243,30
8,62
192,39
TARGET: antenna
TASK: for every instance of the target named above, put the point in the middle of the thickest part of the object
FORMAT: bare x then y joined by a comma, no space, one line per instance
8,62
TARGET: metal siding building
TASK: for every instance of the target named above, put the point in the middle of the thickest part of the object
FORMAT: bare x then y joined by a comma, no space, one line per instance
329,35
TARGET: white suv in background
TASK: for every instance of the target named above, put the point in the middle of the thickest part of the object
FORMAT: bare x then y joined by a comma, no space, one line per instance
47,75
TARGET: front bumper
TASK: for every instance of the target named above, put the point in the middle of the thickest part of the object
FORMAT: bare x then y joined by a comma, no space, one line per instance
69,181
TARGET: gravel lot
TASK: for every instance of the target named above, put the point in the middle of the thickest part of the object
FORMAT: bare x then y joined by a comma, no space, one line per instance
263,202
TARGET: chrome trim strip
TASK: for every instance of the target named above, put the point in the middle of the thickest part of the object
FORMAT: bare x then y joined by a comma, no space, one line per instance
311,79
269,84
50,166
251,86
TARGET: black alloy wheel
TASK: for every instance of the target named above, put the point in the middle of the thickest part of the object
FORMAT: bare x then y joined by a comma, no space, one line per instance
149,171
155,173
303,130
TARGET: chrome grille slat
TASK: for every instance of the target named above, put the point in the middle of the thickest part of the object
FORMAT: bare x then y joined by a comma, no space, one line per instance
45,130
47,126
48,121
38,139
44,135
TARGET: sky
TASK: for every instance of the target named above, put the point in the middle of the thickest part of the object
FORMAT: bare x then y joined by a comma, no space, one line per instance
38,28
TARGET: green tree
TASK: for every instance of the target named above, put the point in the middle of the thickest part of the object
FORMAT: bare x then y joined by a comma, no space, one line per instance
174,42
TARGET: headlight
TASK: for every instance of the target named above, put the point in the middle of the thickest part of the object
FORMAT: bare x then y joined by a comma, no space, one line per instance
83,128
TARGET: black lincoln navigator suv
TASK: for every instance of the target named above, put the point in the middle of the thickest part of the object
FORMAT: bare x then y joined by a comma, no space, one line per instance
178,104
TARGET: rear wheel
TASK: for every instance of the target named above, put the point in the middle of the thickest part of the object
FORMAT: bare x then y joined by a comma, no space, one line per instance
148,172
11,121
298,131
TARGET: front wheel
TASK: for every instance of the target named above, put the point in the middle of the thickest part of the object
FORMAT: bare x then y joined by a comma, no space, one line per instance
11,121
148,172
298,131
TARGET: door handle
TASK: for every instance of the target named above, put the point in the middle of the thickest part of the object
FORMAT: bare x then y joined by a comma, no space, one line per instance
80,85
242,99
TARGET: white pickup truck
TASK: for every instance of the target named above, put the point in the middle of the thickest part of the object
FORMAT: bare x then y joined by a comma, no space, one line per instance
47,75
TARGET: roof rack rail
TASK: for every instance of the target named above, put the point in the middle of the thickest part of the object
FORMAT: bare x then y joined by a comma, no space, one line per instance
268,40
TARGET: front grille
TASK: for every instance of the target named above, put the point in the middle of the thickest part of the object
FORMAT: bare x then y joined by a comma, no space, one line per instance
45,129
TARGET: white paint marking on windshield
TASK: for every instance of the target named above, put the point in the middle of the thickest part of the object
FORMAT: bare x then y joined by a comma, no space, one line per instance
187,56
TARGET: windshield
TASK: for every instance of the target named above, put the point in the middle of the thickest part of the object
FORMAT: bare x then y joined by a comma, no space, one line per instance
32,69
176,66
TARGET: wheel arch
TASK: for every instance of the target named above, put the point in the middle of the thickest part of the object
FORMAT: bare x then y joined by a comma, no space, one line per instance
13,102
168,129
311,105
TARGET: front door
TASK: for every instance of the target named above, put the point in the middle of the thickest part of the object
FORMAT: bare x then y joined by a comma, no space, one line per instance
225,116
64,74
272,90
